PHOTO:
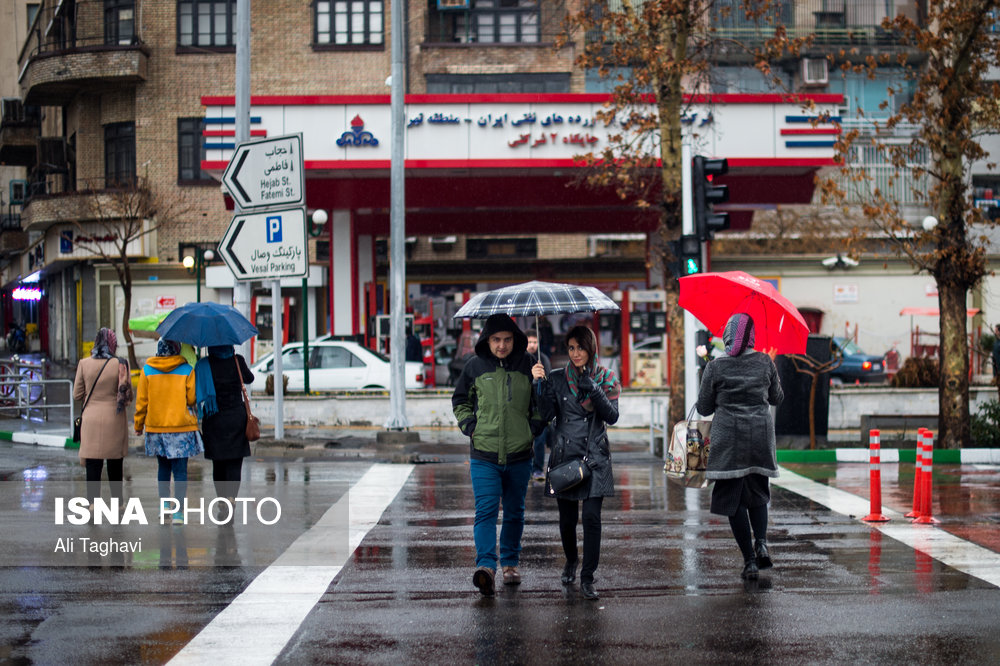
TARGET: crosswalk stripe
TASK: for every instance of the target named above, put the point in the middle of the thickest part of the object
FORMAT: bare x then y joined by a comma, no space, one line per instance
257,625
943,546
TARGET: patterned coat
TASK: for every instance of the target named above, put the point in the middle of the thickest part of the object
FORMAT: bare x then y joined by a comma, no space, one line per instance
739,390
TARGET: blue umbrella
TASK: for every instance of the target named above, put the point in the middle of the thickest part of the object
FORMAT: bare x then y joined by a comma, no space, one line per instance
206,324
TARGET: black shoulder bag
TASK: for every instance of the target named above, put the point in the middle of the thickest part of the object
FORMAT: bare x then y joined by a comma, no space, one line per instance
571,473
78,421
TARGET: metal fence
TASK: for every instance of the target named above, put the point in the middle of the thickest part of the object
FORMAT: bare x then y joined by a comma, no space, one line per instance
26,392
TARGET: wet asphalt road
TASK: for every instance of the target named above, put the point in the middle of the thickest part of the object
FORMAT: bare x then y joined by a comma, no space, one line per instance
840,592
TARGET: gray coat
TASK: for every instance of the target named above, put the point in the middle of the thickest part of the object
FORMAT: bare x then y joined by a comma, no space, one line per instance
573,426
739,390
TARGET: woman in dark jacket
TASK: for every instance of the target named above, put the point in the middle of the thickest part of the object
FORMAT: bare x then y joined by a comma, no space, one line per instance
739,389
219,396
583,398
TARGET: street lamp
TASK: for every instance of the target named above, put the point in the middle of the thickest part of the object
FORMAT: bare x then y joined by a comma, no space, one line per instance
195,263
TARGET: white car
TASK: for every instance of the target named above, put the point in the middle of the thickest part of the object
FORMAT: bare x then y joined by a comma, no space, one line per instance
334,366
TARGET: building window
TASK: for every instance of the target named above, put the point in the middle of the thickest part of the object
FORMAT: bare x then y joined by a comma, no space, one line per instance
350,22
119,21
32,8
499,22
501,248
206,23
190,151
119,154
492,84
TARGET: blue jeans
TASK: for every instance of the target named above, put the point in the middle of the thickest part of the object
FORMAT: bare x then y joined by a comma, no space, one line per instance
491,485
538,460
179,468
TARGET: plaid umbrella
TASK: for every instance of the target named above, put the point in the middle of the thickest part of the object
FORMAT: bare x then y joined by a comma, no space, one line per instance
536,298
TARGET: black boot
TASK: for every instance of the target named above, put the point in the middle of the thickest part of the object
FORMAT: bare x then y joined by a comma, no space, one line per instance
763,557
750,571
588,591
569,573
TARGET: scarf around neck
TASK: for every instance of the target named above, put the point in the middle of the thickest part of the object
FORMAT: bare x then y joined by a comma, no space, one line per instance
105,346
601,376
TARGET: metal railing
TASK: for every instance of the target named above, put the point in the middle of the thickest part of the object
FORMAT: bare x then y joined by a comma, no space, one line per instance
25,392
658,425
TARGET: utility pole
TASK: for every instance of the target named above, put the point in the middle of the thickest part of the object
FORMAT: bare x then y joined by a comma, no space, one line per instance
397,234
242,290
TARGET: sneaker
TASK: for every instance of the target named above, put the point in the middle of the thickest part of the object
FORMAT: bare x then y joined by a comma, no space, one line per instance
511,576
483,579
178,518
538,476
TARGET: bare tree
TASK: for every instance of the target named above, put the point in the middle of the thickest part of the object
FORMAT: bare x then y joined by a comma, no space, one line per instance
655,51
814,369
119,219
952,51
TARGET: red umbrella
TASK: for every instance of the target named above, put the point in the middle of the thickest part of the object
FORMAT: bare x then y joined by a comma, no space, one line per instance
713,297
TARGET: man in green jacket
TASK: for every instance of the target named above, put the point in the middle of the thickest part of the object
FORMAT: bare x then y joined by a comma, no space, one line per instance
495,407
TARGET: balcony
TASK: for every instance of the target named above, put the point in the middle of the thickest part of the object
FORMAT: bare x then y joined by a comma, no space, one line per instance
76,46
19,129
53,201
832,23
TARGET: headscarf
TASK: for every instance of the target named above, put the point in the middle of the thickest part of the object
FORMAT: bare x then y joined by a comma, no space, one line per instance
167,348
105,346
738,334
602,377
204,384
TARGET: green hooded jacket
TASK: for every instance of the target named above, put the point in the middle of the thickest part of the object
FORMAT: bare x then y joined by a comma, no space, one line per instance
493,400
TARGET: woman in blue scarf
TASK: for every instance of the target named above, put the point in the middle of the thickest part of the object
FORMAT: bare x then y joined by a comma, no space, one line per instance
740,388
219,397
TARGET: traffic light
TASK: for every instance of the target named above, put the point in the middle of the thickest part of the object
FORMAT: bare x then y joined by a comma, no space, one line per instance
706,195
687,256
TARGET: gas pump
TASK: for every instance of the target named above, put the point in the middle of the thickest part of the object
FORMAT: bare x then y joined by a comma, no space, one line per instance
425,326
645,364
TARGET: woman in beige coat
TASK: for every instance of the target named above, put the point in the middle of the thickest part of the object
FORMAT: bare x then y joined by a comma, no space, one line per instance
103,428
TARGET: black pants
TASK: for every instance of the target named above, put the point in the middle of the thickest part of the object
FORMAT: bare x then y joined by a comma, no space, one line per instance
95,466
591,533
226,475
747,520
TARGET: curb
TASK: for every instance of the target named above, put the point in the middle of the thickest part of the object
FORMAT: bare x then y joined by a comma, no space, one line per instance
857,455
39,439
852,455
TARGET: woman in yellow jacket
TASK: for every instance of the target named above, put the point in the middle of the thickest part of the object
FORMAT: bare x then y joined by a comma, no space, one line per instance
164,410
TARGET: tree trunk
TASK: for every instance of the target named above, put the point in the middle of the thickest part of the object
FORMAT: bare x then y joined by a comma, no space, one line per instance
126,282
953,391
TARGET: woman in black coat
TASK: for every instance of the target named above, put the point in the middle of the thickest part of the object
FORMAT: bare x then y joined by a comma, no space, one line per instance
583,397
218,379
740,388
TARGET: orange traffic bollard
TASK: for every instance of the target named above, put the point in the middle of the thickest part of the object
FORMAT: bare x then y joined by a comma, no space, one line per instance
926,516
918,475
875,479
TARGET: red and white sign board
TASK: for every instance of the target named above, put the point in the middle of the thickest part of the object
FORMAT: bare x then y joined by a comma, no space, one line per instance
166,303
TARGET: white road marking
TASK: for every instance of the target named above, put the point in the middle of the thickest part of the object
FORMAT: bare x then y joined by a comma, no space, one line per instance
257,625
943,546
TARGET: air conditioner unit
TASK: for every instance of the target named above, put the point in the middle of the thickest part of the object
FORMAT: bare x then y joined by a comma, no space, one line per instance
815,72
444,5
13,110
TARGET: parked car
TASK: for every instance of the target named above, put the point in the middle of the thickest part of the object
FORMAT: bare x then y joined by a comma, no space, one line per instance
334,366
857,366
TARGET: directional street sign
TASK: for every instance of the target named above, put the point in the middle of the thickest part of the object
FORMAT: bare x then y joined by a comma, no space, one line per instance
267,172
270,245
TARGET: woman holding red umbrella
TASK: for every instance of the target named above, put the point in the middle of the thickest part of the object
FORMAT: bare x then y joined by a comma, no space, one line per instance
740,388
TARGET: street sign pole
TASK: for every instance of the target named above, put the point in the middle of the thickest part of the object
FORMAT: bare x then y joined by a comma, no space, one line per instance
241,291
279,390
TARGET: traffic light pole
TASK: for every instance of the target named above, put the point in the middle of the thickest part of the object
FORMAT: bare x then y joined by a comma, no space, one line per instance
687,227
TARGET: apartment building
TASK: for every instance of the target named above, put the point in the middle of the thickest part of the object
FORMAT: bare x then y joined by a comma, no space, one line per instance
136,97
